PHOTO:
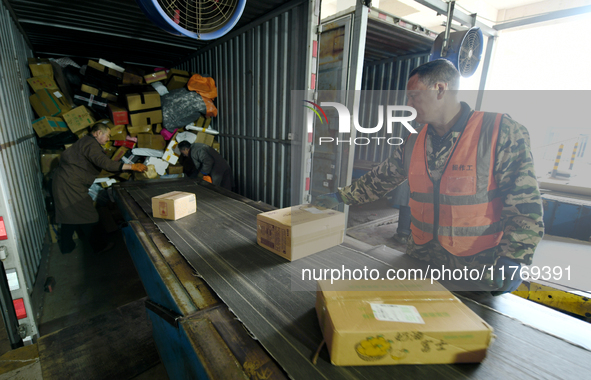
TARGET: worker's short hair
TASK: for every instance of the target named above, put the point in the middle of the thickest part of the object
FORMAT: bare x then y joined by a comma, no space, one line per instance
184,145
99,127
439,70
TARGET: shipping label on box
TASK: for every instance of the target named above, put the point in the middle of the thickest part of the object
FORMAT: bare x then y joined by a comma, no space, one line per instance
174,205
119,115
79,118
134,131
144,108
299,231
40,67
172,153
47,102
366,322
48,126
151,141
41,82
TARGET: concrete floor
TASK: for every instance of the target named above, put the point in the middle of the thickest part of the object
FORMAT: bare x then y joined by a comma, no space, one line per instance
86,285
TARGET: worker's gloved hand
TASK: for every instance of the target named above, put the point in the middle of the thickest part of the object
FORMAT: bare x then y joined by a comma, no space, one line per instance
207,178
511,271
139,168
330,200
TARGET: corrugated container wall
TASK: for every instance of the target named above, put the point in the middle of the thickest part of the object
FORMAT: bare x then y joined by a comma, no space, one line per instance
255,72
21,200
381,78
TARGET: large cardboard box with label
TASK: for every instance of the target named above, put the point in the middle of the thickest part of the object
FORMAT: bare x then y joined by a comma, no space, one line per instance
40,67
144,108
174,205
41,82
367,322
79,118
49,103
48,126
299,231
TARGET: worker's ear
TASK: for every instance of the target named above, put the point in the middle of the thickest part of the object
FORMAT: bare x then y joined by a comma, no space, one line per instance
441,88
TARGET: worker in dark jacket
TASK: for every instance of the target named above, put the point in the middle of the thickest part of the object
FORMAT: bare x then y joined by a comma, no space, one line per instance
79,166
209,163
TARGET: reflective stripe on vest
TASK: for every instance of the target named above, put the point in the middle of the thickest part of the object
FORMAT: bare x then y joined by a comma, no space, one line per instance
465,200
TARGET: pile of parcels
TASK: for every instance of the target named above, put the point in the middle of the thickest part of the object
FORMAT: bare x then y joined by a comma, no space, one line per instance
147,114
364,322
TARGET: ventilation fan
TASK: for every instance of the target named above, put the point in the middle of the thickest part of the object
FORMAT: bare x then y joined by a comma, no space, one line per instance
199,19
463,49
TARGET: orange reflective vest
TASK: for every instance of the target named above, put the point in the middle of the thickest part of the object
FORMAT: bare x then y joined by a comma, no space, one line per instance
463,209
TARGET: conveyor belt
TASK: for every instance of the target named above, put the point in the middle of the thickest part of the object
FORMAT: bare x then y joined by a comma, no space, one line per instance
219,241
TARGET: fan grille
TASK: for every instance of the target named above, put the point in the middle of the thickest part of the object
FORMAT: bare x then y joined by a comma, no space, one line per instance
199,16
469,54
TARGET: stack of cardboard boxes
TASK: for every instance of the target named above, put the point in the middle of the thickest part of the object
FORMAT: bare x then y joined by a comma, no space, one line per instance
122,99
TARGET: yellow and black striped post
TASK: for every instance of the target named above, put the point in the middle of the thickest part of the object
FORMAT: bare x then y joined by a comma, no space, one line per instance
555,170
572,158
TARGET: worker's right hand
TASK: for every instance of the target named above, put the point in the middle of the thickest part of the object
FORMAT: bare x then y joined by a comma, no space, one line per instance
139,168
330,200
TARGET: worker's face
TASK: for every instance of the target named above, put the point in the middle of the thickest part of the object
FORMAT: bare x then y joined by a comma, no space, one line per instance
185,152
427,100
102,137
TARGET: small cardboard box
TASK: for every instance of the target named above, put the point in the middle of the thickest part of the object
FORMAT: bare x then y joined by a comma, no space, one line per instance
49,160
118,132
203,122
134,131
205,138
216,146
91,89
119,115
105,69
177,79
299,231
145,140
129,78
47,102
95,102
175,169
144,108
79,118
171,154
174,205
48,126
41,82
155,77
40,67
119,153
367,322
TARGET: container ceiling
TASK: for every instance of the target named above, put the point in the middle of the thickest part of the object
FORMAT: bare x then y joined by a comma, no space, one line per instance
115,30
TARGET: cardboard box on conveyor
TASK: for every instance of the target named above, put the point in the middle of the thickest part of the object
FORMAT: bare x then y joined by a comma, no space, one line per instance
174,205
299,231
375,322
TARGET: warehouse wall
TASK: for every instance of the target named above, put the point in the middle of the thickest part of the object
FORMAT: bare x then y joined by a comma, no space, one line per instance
21,199
381,78
255,72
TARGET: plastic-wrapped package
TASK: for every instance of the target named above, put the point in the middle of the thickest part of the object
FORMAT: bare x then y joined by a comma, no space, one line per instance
180,107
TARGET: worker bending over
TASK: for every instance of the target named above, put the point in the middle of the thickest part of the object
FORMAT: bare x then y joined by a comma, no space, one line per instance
79,166
474,196
209,163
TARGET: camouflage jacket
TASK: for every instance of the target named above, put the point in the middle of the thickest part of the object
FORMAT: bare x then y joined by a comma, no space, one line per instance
515,176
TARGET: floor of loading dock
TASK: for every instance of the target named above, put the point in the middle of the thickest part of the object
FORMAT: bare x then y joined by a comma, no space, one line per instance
93,324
